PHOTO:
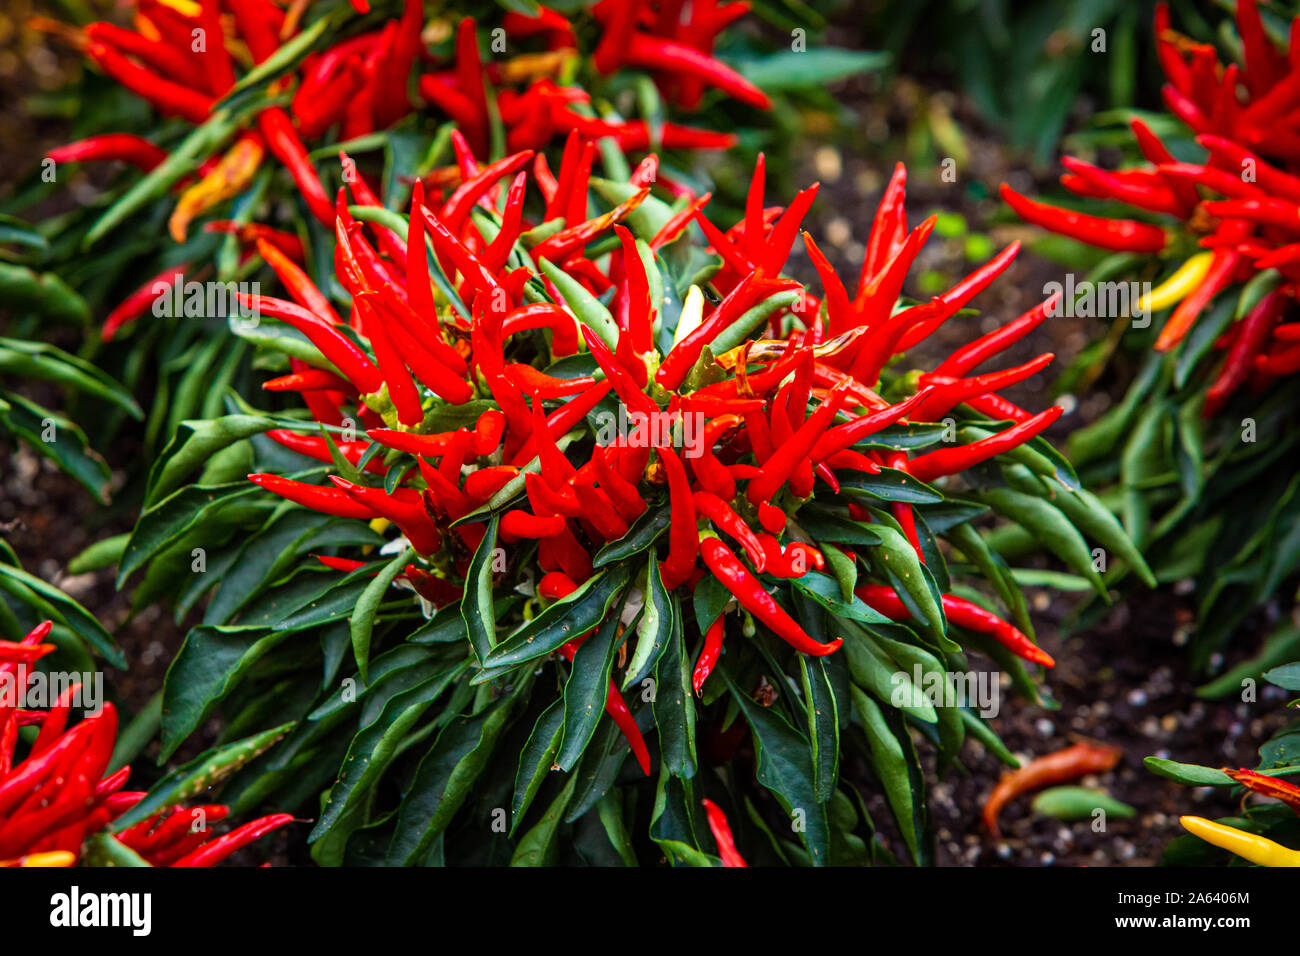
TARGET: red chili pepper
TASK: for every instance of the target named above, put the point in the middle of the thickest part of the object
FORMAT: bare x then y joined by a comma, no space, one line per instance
168,97
111,146
963,613
403,507
950,461
836,439
752,289
950,392
560,421
517,524
683,538
417,353
1152,196
709,655
1267,786
622,492
315,446
1254,332
993,343
784,459
678,222
1220,274
1121,235
483,483
214,57
333,344
722,835
330,501
283,142
309,380
721,514
297,282
135,304
213,852
737,579
619,378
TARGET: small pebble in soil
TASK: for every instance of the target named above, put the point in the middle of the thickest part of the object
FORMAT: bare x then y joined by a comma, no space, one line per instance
838,232
1137,697
826,160
1045,727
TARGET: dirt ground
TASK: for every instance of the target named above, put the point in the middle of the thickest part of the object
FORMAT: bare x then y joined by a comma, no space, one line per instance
1125,682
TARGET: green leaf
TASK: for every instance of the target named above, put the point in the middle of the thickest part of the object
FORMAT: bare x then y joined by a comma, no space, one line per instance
537,759
210,663
50,364
653,629
564,620
801,70
373,749
1187,773
537,847
823,724
363,617
476,605
585,692
200,775
41,293
194,443
785,768
56,438
892,485
163,524
1287,676
644,532
102,554
443,779
54,604
891,766
674,708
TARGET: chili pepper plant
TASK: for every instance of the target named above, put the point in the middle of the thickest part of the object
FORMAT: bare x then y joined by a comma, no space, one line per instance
1265,832
217,144
555,471
61,790
1193,456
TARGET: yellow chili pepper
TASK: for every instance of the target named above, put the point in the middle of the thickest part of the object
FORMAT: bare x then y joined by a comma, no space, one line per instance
228,178
53,858
186,8
1248,846
1178,286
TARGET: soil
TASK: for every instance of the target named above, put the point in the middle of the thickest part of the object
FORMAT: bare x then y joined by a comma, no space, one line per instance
1124,682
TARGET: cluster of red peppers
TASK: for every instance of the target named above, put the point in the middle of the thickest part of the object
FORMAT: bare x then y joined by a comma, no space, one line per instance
1241,204
58,794
185,63
773,416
